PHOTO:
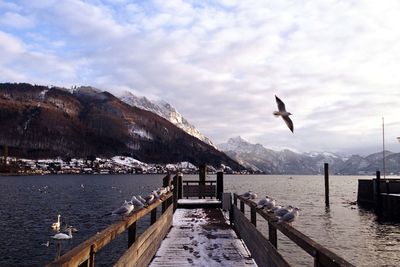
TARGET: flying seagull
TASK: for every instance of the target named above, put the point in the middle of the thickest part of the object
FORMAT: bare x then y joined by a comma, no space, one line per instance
283,113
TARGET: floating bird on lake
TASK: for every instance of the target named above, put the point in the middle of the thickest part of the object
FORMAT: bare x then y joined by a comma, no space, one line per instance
45,244
124,210
73,229
290,216
283,113
62,236
56,225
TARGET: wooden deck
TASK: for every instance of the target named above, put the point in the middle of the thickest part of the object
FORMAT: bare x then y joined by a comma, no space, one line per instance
201,237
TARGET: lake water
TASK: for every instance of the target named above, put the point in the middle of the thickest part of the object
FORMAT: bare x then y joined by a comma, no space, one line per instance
30,204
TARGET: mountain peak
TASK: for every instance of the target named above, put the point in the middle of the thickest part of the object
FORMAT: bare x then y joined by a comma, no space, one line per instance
167,111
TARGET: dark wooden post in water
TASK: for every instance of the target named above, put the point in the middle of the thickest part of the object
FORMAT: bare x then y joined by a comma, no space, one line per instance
378,202
220,185
326,170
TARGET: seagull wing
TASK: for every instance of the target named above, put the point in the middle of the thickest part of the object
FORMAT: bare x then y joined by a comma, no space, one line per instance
121,210
281,105
288,122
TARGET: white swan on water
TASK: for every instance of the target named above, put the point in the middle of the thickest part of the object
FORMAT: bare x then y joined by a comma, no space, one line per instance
56,225
62,236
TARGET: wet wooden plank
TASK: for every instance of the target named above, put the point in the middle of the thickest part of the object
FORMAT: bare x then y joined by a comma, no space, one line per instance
201,237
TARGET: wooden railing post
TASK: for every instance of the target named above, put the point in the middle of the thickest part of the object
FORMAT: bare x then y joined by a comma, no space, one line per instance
378,202
253,216
272,235
175,192
179,186
131,234
235,200
242,206
91,257
220,185
166,182
202,180
153,216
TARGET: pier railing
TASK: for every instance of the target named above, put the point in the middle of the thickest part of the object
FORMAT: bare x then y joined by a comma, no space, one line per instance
199,188
265,250
140,250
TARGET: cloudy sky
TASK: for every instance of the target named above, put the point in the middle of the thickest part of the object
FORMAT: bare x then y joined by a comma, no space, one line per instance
334,63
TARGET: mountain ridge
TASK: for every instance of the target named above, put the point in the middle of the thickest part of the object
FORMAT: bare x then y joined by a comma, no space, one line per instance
260,159
39,121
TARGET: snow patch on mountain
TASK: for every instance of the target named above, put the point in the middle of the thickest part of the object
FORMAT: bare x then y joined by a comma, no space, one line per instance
166,111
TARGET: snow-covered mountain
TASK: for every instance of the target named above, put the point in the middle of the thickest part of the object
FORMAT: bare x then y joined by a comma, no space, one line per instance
261,159
166,111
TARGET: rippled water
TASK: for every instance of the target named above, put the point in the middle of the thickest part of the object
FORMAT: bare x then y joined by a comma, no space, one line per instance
30,204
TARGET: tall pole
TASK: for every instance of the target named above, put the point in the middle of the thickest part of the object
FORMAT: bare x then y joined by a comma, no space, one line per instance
326,172
383,144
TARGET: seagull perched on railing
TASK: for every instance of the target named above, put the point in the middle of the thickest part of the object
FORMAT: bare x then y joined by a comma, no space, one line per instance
282,211
124,210
283,113
290,216
249,195
263,202
137,203
141,199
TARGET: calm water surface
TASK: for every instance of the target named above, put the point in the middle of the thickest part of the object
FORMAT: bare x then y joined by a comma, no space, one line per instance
29,205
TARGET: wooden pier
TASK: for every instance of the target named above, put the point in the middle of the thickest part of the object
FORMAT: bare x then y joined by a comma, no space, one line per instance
194,231
383,195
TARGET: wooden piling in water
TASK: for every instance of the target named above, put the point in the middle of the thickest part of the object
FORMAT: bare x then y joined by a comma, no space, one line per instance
326,171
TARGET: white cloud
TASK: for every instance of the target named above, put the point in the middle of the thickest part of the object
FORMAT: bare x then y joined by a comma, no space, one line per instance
15,20
220,63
